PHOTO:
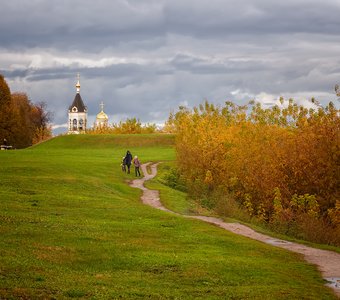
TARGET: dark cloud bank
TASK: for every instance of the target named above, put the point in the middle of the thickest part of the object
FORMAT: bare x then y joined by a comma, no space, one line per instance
145,58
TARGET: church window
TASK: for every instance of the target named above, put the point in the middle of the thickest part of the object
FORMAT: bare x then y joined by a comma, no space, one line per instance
74,109
74,124
81,122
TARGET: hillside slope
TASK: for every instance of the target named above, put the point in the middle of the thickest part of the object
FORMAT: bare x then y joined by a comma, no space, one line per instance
72,228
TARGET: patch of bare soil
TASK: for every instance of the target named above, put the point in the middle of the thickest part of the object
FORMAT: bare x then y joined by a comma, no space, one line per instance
328,262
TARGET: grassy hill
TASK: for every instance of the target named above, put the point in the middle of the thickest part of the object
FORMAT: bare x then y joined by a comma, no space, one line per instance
71,227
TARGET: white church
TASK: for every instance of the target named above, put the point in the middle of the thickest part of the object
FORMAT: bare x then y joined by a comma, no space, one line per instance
77,115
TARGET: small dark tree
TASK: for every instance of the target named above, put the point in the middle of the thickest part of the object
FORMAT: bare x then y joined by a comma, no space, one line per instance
41,119
40,115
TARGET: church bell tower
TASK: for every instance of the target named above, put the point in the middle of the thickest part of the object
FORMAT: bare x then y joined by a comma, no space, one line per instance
77,113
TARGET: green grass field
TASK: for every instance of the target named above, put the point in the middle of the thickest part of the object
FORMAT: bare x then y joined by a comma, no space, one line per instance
71,227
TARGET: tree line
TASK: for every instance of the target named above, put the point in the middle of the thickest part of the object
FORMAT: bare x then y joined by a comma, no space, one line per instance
279,166
129,126
22,123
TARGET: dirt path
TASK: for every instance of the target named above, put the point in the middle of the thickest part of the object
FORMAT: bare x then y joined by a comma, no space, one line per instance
328,262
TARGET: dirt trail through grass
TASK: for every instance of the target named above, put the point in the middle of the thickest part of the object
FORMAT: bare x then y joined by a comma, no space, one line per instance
328,262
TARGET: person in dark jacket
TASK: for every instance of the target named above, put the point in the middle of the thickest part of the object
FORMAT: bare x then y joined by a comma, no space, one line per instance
123,165
128,160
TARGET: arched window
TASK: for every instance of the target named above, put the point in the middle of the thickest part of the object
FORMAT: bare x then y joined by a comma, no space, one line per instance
74,124
81,123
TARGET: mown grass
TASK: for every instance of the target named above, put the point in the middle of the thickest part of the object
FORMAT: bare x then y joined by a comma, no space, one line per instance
70,227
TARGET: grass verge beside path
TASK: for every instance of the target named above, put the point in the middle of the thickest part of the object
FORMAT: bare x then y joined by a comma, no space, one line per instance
178,201
70,227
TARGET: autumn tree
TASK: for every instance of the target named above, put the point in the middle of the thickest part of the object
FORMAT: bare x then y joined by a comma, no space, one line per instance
132,125
22,123
280,164
41,119
23,129
5,109
129,126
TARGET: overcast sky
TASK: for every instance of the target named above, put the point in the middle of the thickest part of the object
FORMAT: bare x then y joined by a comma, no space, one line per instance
144,58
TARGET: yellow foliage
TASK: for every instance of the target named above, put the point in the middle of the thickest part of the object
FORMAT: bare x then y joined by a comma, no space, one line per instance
208,178
248,205
334,214
130,126
251,152
42,134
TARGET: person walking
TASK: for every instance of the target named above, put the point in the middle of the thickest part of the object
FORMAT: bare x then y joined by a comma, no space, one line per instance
128,160
123,165
136,163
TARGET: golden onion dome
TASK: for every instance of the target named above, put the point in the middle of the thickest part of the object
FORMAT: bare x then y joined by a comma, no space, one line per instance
102,116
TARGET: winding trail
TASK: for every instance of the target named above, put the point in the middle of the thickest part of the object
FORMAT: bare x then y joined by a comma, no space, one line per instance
328,262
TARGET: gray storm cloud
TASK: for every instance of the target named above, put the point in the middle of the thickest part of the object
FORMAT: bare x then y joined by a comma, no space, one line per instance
144,58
